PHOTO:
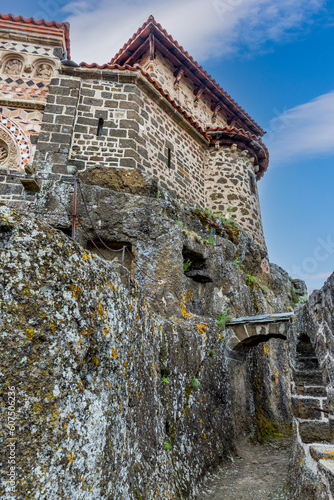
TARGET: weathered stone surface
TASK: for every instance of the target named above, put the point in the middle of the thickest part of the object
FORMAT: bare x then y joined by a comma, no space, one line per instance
314,431
304,408
98,345
122,180
87,358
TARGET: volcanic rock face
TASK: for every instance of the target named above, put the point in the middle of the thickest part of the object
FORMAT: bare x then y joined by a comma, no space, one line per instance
123,384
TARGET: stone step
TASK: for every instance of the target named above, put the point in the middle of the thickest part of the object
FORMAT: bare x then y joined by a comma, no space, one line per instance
312,377
322,452
309,363
304,408
326,467
314,431
318,391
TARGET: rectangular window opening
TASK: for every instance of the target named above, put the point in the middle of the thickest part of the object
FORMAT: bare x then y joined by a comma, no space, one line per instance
99,128
169,157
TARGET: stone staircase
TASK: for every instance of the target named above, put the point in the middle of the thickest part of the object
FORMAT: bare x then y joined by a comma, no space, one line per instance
309,400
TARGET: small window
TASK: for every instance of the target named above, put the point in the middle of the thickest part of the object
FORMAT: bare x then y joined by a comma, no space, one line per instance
252,183
169,157
99,128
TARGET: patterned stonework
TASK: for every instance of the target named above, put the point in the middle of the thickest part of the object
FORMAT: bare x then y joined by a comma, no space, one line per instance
23,88
26,48
17,144
3,152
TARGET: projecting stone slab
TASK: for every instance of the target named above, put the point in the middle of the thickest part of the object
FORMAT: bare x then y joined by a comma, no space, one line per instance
31,184
327,468
322,452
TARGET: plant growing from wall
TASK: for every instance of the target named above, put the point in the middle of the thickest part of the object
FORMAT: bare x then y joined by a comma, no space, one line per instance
211,239
303,299
165,379
195,383
224,318
186,264
207,218
167,446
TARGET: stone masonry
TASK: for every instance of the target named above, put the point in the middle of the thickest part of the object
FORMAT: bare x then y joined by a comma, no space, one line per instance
152,109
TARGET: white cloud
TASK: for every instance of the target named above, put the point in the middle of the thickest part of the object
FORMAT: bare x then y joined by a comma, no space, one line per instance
205,29
303,131
320,276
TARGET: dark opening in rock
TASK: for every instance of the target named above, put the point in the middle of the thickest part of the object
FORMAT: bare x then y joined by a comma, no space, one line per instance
65,230
113,251
194,266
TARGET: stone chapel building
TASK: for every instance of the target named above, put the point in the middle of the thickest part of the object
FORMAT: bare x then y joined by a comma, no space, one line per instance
151,108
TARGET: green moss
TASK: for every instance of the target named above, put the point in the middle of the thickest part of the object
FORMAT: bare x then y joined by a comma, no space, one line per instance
137,495
267,429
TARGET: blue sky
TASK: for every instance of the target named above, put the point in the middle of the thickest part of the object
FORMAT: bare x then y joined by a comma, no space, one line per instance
276,60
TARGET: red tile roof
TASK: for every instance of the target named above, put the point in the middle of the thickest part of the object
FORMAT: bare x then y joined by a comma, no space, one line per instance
40,26
234,106
253,142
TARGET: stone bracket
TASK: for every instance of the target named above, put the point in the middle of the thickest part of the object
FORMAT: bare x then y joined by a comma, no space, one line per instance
31,184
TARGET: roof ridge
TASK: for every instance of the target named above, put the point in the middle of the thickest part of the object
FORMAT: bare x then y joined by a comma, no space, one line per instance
192,60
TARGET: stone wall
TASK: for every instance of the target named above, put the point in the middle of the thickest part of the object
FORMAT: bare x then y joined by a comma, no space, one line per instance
312,361
163,71
230,182
137,132
142,131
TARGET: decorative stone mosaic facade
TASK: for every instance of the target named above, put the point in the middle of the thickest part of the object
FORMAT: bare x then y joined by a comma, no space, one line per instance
26,68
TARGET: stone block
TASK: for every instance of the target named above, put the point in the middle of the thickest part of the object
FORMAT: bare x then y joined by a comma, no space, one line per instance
311,390
311,377
304,408
61,138
54,109
314,431
70,110
71,101
131,124
90,101
69,82
47,146
31,184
